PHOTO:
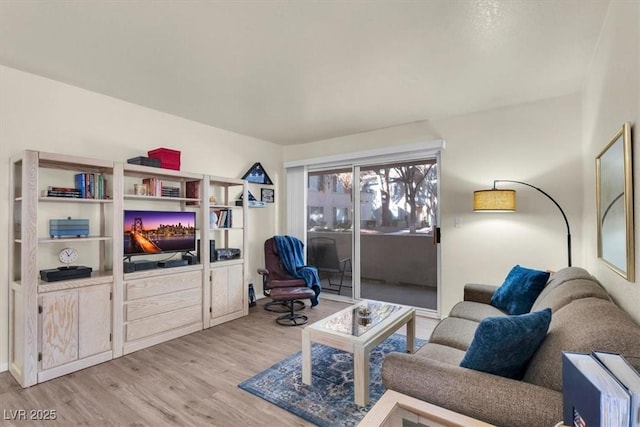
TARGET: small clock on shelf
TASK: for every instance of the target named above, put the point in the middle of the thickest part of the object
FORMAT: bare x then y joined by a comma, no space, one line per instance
66,256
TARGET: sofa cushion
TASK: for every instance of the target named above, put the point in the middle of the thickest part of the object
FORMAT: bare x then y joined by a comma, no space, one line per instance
478,292
583,326
475,311
504,345
519,290
561,276
454,332
568,291
443,353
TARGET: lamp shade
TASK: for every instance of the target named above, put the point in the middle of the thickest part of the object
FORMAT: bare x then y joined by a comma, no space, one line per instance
494,200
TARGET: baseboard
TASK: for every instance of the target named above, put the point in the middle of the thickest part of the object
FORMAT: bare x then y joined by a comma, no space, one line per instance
4,367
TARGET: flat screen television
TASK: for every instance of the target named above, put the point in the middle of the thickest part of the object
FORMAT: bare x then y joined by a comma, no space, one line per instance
155,232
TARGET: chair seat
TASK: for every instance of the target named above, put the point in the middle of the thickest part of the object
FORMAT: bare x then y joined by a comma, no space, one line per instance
287,294
277,283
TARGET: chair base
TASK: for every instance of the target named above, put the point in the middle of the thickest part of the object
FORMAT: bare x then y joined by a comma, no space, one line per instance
283,306
292,319
288,297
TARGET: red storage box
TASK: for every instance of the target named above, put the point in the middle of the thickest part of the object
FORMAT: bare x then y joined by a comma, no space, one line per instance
169,159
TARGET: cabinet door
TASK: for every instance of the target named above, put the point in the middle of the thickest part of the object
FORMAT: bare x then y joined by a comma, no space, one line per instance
75,324
59,325
219,291
94,328
227,294
235,293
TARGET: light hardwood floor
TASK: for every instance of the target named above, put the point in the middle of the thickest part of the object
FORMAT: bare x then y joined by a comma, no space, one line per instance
189,381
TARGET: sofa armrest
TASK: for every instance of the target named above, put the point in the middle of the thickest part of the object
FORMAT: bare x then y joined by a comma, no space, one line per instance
477,292
490,398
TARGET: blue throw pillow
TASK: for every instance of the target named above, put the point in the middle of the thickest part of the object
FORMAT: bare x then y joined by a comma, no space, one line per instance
504,345
519,290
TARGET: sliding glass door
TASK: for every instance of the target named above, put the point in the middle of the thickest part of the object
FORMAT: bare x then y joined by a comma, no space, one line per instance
398,216
376,242
330,228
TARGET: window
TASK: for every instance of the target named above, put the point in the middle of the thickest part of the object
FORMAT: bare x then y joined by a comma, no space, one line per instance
341,218
315,217
315,183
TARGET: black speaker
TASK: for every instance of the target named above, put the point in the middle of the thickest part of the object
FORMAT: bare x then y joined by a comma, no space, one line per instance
190,258
212,251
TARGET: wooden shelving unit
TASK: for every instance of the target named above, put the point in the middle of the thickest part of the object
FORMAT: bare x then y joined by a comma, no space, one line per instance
62,326
57,327
226,296
164,303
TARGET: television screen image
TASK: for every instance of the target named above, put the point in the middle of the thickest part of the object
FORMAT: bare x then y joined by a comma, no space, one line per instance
154,232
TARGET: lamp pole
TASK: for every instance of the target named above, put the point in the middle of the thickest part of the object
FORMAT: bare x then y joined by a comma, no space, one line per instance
566,221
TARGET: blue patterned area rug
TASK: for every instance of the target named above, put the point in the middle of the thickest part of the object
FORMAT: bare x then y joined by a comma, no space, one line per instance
329,400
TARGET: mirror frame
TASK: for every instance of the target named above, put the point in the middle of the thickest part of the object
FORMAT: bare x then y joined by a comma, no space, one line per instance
623,137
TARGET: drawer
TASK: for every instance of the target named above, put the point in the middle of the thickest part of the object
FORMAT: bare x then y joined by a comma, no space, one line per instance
158,285
151,306
163,322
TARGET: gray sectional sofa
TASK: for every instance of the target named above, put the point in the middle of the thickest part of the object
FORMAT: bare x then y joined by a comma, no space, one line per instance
584,319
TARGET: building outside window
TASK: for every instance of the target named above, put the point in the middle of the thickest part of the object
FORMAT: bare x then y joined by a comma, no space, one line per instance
315,216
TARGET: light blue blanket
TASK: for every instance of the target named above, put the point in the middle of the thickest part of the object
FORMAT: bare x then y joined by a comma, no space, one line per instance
291,251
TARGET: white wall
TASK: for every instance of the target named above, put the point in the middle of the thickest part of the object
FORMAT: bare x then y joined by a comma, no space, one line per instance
538,143
45,115
611,97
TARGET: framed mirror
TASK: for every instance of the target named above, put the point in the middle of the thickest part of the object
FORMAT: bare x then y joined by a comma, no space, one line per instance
614,200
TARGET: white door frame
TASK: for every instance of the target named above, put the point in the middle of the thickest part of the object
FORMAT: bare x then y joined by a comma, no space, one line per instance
297,172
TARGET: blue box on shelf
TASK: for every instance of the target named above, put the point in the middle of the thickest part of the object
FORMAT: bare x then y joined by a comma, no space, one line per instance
60,228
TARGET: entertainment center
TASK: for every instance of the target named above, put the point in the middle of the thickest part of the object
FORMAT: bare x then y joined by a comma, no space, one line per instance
147,273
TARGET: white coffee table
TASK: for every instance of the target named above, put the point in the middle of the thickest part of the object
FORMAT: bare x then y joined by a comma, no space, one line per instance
347,330
396,409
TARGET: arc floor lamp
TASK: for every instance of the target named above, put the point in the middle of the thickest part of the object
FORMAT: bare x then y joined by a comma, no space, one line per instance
495,200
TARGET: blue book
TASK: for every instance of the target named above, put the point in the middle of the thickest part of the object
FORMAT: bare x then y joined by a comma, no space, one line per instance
592,396
81,184
627,375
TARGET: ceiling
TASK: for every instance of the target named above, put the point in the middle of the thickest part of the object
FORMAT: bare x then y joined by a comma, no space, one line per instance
291,72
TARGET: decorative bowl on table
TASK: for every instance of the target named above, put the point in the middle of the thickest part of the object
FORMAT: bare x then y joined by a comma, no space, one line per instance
364,315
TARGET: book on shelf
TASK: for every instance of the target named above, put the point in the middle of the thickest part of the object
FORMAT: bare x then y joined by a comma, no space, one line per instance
225,219
591,395
101,186
167,191
222,218
91,185
213,219
154,186
192,191
81,184
627,375
63,189
61,192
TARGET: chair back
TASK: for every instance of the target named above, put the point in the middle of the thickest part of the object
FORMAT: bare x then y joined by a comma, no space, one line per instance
323,254
273,263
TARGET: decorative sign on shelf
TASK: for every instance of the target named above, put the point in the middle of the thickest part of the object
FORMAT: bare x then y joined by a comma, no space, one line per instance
267,195
257,175
252,203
